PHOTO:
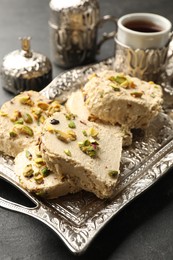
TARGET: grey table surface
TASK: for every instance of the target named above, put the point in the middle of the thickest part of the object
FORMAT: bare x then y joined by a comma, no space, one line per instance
142,230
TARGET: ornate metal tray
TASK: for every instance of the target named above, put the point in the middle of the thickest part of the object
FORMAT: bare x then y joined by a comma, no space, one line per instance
78,218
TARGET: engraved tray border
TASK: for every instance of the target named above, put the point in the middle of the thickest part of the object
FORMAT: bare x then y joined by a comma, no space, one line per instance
78,218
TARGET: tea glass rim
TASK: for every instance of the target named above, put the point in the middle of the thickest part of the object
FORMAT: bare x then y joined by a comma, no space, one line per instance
140,16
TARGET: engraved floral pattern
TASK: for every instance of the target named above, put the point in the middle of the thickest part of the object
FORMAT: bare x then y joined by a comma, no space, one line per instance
146,64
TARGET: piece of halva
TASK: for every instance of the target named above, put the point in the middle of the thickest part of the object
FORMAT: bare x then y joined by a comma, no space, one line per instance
75,105
117,98
88,153
35,177
21,120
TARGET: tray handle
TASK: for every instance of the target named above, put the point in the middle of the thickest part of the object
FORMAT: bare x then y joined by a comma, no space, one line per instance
15,206
40,211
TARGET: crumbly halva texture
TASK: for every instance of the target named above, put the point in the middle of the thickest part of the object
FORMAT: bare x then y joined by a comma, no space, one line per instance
118,98
75,105
88,153
21,120
35,177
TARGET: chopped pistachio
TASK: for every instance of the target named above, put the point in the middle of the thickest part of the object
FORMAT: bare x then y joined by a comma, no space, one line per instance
43,105
115,88
89,147
54,107
19,121
62,136
36,111
72,124
27,118
2,113
45,171
15,116
39,161
24,129
38,155
151,82
26,100
84,133
38,178
50,129
118,79
41,119
37,173
27,130
67,152
56,104
70,116
72,135
153,95
113,174
28,171
122,81
87,100
28,155
136,94
85,143
128,84
93,132
12,133
66,137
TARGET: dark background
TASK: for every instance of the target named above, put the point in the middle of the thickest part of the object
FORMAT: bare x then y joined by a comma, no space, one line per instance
144,229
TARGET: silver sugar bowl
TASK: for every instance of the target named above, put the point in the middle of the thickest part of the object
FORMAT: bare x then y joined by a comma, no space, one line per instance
25,70
73,31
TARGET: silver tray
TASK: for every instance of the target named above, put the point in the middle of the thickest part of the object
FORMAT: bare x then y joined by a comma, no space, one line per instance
77,218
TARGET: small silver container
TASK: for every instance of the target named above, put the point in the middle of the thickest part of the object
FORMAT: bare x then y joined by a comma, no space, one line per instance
25,70
73,31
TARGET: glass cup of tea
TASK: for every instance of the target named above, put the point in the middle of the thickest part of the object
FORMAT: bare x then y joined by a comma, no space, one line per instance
142,44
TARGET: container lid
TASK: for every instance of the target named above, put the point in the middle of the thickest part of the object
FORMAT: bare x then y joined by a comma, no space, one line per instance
69,13
24,69
59,5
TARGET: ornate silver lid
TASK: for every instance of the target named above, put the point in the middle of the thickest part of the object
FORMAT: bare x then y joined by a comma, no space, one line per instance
69,13
24,69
